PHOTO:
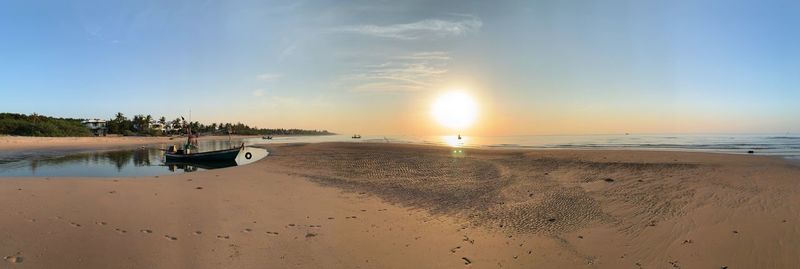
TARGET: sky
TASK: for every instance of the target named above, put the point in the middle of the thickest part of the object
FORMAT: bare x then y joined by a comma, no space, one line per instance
376,67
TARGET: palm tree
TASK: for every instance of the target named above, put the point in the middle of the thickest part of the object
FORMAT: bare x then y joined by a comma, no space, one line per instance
163,122
117,124
147,121
177,125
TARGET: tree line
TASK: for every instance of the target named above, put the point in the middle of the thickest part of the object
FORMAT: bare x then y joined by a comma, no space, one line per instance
139,125
38,125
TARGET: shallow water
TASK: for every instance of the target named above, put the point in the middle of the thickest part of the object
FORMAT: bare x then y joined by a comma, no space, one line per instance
149,161
146,161
780,145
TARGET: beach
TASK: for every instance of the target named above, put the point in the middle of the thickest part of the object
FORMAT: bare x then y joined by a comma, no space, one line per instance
384,205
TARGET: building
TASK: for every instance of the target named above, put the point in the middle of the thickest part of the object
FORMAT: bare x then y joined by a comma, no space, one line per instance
155,125
97,126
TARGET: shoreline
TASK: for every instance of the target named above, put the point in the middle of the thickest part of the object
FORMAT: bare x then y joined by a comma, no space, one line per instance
348,205
33,146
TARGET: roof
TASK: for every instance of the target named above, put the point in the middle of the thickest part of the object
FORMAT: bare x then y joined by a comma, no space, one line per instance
94,121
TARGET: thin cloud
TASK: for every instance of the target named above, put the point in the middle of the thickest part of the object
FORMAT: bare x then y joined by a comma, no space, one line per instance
287,51
432,55
258,92
414,72
430,28
270,77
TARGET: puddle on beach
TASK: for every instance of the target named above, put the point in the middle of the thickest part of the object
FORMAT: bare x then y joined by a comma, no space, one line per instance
147,161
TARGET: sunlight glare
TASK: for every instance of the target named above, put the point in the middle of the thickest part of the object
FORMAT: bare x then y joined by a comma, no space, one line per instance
455,110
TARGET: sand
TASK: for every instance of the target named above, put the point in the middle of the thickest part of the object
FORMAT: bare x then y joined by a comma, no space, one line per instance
361,205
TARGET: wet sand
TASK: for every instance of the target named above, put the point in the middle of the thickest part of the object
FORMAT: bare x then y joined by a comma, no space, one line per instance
360,205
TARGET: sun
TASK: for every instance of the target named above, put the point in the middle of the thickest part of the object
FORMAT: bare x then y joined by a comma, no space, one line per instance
455,110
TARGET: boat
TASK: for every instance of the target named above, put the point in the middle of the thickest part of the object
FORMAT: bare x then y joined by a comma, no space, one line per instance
459,136
224,155
267,137
356,136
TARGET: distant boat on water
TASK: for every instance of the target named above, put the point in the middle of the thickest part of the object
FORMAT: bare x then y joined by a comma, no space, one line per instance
459,136
269,137
356,136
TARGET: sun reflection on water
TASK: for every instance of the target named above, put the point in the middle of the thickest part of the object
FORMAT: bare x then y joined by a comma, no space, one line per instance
454,141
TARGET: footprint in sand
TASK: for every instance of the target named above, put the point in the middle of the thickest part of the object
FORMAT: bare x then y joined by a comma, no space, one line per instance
223,237
466,260
272,233
465,239
310,235
13,259
331,218
121,231
102,223
75,224
198,188
247,230
146,231
198,232
170,238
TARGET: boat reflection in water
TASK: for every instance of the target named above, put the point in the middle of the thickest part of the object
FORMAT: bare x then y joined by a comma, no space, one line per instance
195,166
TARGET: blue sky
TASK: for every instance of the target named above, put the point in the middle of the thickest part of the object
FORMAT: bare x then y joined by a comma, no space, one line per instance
535,67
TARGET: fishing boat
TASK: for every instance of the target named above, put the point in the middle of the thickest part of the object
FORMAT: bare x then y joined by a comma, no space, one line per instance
356,136
225,155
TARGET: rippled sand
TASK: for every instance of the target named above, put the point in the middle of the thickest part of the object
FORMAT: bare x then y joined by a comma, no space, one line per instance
648,202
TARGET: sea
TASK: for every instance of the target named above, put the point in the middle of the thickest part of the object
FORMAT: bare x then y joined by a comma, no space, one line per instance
149,161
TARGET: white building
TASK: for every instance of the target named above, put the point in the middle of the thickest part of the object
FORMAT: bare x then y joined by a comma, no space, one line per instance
155,125
97,126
